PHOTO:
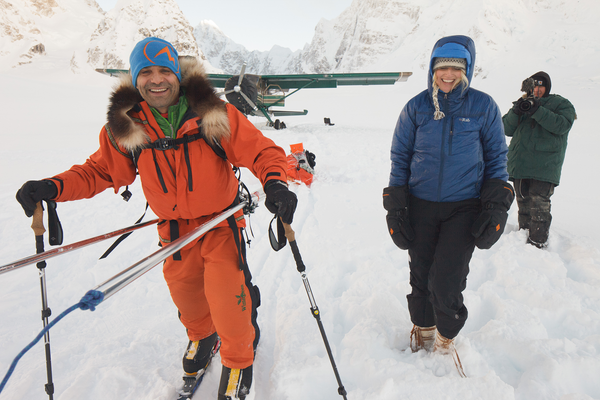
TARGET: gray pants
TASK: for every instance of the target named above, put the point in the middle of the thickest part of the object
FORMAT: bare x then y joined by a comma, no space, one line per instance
533,199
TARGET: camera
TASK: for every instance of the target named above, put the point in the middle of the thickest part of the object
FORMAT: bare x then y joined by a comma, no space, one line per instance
528,85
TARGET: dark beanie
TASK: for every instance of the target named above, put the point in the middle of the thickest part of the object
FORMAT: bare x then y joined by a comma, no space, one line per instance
545,79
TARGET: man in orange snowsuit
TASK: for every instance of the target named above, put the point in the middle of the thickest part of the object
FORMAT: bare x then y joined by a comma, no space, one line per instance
165,122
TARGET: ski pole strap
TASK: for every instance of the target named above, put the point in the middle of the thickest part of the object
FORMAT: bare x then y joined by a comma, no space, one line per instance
55,231
87,302
277,242
123,236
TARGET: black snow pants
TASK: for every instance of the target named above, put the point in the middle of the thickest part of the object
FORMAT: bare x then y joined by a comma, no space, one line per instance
533,199
439,262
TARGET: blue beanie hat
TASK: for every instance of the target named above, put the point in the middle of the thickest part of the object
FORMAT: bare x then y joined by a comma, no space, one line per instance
153,51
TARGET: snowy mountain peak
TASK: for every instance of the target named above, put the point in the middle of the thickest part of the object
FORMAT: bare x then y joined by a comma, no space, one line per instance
131,21
385,34
363,33
38,28
44,7
222,52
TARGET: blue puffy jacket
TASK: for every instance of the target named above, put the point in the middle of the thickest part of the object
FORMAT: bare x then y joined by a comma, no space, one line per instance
447,160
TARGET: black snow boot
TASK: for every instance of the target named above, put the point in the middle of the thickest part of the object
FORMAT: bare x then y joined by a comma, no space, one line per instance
199,353
235,383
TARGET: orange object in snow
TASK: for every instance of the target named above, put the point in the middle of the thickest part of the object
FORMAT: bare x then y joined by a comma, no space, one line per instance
299,168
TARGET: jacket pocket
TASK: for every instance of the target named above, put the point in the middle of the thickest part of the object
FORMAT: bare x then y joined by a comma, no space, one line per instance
464,135
547,144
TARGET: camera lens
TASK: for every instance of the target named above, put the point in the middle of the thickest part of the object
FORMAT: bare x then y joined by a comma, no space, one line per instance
526,105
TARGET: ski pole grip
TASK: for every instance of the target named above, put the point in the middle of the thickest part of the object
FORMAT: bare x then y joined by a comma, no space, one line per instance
38,220
291,237
289,232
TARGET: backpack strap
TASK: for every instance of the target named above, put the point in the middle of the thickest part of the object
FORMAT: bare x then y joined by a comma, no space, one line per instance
166,144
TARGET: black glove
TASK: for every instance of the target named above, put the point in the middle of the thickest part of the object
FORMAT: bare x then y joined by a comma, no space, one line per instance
280,201
534,106
516,106
32,192
395,201
310,157
496,198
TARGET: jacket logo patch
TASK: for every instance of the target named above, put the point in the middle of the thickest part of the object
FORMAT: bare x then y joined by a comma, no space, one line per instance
464,120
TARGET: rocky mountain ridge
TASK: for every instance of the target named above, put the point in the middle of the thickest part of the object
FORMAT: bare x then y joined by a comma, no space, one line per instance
111,42
370,35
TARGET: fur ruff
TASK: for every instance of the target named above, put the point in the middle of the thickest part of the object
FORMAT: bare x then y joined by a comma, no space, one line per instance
200,95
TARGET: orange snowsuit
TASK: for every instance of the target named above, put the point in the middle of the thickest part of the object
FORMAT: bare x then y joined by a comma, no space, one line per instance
185,186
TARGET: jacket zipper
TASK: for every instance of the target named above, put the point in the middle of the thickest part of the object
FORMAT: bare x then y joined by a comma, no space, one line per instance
442,155
451,136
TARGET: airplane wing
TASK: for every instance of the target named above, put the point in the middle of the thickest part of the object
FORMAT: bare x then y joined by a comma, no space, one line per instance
301,81
319,81
256,94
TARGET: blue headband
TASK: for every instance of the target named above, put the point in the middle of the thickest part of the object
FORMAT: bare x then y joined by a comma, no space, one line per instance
153,51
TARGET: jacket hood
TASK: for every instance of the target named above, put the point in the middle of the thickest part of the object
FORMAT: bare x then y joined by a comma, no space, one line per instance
546,78
457,46
202,100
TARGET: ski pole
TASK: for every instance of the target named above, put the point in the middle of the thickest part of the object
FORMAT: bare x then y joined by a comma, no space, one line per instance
38,228
103,291
44,255
291,237
125,277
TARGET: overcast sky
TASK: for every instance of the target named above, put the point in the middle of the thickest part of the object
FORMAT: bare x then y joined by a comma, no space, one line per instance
260,24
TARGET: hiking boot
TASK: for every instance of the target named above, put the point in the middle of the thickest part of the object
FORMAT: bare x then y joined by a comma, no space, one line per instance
445,346
199,353
235,383
422,338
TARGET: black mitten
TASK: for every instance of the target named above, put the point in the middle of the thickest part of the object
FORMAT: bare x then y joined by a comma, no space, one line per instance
395,201
32,192
280,200
496,198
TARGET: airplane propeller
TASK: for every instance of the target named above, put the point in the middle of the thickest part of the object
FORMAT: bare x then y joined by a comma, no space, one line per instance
241,91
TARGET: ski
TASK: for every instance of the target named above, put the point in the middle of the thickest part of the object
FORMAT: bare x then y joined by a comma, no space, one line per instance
192,382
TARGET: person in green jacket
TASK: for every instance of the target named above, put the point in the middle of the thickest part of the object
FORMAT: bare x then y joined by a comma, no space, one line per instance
539,123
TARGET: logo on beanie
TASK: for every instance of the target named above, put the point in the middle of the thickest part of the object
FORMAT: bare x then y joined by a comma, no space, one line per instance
165,50
153,52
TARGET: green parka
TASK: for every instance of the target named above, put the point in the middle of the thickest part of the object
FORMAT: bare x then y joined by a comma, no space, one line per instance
539,141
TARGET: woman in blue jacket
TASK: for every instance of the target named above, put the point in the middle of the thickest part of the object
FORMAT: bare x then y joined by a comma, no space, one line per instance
448,190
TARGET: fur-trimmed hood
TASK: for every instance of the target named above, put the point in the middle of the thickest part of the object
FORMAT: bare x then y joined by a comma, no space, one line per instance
201,98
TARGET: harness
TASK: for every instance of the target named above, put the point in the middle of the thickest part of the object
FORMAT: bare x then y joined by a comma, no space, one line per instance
164,144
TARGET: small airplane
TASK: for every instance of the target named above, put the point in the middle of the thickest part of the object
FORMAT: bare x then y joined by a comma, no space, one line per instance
255,94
